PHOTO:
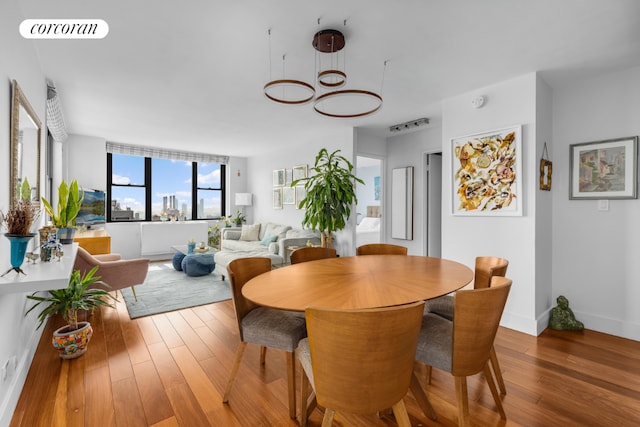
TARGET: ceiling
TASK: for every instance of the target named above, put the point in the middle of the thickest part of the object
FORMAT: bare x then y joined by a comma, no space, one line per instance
190,73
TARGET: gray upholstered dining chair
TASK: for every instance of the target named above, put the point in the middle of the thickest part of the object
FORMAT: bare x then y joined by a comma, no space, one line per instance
311,253
485,268
264,326
462,347
381,249
351,356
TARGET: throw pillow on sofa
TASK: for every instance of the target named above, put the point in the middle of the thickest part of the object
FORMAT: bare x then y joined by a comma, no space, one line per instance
268,239
250,232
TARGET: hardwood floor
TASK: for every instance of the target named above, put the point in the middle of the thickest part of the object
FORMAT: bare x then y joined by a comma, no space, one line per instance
171,369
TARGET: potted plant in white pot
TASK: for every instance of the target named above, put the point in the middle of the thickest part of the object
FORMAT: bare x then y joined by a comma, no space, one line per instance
64,216
72,339
330,194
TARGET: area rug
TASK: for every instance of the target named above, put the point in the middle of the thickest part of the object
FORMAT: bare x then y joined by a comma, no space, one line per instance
166,289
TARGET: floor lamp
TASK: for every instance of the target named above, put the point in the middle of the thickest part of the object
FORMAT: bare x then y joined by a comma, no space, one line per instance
242,200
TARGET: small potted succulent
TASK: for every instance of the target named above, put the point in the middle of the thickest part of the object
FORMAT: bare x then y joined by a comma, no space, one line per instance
72,339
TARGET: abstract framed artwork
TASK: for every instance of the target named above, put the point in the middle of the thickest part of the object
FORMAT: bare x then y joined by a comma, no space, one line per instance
605,169
487,173
277,198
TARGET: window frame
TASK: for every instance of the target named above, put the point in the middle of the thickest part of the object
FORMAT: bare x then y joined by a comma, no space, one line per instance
148,186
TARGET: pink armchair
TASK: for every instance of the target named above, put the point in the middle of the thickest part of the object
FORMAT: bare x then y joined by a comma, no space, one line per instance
116,272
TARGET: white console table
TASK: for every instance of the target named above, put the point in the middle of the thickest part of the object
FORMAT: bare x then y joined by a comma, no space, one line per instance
41,276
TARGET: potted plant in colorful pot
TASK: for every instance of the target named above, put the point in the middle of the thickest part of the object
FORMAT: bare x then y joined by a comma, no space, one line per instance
18,221
72,339
64,216
330,192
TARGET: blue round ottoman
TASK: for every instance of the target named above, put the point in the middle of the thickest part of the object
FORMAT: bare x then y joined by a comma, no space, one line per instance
177,260
198,265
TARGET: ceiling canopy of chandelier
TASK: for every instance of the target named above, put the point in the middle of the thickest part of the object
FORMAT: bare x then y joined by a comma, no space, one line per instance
336,102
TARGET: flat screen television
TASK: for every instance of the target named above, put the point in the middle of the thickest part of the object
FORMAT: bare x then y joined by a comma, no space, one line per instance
92,210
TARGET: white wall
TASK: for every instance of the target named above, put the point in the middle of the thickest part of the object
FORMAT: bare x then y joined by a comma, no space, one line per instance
261,185
596,253
19,62
409,150
463,238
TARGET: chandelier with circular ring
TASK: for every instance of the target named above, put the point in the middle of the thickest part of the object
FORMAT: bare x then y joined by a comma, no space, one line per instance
338,102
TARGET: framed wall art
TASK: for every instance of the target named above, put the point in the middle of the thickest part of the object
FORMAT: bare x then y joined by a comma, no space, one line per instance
288,196
277,198
487,173
278,177
299,172
605,169
301,193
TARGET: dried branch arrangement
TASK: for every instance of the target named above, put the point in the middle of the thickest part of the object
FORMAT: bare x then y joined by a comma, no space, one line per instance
20,217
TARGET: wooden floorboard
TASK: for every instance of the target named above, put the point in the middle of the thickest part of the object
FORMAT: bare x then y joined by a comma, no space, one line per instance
170,370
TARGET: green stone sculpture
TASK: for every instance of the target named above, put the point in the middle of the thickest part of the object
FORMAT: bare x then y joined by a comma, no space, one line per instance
562,317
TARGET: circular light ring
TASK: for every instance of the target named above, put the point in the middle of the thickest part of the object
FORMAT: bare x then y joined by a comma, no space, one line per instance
347,92
327,74
288,82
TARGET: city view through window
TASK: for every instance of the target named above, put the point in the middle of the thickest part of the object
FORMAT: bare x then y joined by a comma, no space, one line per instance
171,189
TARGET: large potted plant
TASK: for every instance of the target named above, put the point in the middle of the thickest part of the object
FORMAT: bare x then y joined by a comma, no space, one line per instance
330,194
64,216
72,339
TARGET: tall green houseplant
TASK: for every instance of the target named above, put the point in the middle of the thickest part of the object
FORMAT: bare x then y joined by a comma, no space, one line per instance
330,194
69,202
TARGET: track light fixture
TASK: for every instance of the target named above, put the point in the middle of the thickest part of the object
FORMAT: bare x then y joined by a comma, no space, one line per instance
409,125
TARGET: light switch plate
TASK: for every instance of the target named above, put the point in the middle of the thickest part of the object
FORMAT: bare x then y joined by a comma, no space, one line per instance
603,205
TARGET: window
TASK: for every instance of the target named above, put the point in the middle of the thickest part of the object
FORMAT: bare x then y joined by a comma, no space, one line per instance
150,189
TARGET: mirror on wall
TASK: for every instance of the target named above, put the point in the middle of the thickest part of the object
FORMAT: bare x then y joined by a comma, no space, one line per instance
25,140
402,203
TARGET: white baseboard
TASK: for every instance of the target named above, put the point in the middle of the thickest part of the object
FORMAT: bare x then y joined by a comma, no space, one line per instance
8,405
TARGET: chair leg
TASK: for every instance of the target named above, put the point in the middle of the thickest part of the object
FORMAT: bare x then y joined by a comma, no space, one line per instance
421,397
496,370
463,401
291,372
494,391
263,354
327,420
133,289
234,370
400,412
429,369
307,399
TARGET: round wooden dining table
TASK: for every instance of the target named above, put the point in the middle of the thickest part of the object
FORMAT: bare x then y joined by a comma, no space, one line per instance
357,282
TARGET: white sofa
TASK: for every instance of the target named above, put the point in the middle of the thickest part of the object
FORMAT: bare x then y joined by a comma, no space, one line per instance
272,241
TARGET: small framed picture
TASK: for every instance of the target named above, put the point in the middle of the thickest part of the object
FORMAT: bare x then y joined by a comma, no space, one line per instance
301,193
288,176
288,195
277,198
299,172
278,177
605,169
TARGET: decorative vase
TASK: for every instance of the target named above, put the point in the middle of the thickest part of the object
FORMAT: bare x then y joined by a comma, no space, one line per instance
72,344
190,247
65,235
18,248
